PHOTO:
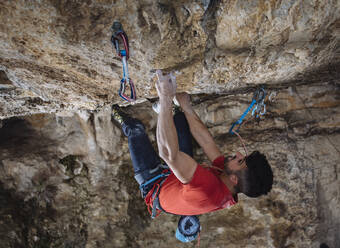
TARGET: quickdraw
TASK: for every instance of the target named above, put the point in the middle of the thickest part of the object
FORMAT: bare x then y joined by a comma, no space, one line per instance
259,109
119,36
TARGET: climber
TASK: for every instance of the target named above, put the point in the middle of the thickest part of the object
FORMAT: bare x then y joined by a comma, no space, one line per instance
187,187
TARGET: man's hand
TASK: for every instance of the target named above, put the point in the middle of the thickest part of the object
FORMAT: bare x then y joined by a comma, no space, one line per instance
181,164
166,85
183,99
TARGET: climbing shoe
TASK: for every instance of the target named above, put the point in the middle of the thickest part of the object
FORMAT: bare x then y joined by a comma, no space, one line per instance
118,114
175,106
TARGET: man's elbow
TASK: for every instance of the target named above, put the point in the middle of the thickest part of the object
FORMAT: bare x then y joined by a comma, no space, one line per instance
167,155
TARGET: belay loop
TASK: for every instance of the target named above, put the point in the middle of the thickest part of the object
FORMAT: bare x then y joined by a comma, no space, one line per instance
119,37
259,109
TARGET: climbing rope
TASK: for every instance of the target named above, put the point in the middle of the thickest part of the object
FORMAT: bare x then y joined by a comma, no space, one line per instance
242,141
119,36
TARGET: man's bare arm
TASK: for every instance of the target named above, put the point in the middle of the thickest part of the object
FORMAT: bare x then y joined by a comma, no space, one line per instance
167,140
182,165
198,130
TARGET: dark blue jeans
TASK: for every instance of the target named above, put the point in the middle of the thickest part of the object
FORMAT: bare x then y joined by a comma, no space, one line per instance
145,160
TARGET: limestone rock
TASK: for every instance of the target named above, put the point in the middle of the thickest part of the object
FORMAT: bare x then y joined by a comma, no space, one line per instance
77,187
57,55
65,173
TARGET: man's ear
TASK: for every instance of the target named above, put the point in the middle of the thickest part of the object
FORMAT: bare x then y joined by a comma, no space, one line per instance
233,178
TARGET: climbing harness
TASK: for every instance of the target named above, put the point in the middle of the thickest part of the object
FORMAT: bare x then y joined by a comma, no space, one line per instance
119,36
258,110
152,200
188,226
153,179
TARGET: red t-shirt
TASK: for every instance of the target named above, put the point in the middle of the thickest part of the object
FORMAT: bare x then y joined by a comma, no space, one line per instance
204,193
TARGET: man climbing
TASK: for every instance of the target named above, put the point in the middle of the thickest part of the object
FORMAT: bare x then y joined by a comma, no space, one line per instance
188,188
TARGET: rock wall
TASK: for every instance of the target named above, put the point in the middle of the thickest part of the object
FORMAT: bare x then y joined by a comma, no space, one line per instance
65,173
67,181
57,55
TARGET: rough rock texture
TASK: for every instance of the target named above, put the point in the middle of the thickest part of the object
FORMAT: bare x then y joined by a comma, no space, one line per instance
65,173
67,181
57,54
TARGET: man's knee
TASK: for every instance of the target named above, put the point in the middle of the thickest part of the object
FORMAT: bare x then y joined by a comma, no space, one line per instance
133,127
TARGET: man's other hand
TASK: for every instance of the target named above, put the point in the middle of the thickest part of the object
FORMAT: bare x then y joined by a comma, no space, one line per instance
166,85
183,99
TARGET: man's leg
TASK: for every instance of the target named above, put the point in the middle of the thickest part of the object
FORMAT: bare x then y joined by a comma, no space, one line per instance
183,133
145,161
142,153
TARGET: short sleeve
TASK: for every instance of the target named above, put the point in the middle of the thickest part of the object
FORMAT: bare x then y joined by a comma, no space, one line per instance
203,185
204,193
219,162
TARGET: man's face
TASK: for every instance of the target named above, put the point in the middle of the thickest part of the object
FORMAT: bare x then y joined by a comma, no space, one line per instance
235,163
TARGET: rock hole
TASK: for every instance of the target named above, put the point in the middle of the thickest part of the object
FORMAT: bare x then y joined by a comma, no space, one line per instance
4,79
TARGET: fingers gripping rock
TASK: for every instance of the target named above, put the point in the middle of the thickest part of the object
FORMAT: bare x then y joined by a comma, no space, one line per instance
166,84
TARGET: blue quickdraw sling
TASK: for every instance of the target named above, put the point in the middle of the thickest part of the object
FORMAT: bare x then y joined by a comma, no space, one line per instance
259,109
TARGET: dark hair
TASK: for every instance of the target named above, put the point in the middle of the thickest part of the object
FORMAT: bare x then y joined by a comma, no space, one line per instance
257,179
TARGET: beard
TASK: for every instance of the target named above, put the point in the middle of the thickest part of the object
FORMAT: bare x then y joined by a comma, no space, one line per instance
228,171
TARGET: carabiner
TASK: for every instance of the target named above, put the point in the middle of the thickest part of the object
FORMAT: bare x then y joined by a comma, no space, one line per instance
260,108
258,99
119,36
259,95
121,91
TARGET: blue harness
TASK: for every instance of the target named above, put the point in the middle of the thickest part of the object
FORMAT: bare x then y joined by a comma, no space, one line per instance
188,226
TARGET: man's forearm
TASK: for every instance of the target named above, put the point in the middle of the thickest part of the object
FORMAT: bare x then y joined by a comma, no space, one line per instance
182,165
166,132
201,134
197,128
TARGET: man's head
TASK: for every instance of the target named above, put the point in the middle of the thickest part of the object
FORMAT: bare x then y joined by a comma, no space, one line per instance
251,175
